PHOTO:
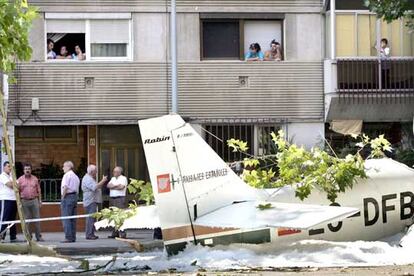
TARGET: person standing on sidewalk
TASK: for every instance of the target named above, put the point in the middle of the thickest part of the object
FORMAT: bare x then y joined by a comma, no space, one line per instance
69,192
117,195
8,207
30,194
91,191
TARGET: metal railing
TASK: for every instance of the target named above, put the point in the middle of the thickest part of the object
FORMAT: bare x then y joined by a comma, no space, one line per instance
51,190
376,76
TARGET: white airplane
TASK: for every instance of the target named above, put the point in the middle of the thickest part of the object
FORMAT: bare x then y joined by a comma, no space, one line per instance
199,199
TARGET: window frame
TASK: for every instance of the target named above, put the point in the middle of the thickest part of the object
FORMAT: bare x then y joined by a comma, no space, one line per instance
72,140
241,19
87,18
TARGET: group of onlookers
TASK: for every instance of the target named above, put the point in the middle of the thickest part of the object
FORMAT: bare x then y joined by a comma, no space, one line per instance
30,195
63,52
273,54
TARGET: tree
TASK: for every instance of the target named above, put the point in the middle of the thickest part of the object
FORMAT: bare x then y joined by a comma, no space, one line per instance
390,10
15,22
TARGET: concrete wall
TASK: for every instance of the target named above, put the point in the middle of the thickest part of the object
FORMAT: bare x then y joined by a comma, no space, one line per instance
37,38
304,40
150,33
302,32
306,134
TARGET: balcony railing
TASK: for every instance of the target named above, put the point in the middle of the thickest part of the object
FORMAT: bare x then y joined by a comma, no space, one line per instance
376,76
51,190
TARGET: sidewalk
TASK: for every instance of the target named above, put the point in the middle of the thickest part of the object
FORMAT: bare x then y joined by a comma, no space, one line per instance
101,246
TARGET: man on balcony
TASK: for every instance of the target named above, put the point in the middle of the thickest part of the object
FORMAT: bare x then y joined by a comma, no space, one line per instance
69,192
117,195
30,194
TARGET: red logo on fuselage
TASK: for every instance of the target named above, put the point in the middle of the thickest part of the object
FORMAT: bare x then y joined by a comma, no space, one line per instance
163,183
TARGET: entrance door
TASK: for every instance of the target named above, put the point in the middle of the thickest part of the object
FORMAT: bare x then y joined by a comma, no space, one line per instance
124,156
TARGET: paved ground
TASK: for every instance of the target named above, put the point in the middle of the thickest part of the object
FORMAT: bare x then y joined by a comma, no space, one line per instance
101,246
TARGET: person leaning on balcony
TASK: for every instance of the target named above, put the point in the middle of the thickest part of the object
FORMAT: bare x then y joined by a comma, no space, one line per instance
30,194
255,53
69,192
275,52
91,191
50,53
8,207
64,54
117,195
78,55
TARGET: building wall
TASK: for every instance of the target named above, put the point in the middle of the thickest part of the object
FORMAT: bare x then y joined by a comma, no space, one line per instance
129,91
40,152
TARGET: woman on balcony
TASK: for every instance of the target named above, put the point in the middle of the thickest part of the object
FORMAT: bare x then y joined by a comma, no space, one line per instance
255,53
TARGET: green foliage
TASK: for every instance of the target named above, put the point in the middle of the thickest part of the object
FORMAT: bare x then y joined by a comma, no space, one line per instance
142,189
117,215
237,145
310,169
15,23
406,157
390,10
49,171
264,206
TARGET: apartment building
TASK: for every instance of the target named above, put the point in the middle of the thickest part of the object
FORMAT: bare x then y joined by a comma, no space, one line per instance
87,110
360,86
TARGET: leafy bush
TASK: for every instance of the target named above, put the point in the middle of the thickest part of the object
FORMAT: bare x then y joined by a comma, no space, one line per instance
307,170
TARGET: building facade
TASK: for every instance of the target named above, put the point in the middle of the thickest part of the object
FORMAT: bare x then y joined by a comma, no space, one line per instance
87,110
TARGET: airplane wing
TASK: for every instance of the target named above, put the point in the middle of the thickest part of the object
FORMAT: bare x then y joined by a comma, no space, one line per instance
247,215
146,217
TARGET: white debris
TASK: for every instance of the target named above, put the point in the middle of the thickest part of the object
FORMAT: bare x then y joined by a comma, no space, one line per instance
309,253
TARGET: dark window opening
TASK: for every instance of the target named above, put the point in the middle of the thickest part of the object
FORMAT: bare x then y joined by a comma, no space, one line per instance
70,41
221,39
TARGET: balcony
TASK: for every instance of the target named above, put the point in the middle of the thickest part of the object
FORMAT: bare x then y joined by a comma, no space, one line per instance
369,89
380,77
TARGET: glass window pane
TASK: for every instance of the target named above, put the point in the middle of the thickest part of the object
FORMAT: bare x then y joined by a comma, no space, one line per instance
366,35
128,135
132,163
120,160
59,132
395,39
408,41
109,50
221,40
345,38
30,132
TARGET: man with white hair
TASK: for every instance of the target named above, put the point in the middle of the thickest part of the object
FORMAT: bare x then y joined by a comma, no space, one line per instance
91,194
69,192
117,195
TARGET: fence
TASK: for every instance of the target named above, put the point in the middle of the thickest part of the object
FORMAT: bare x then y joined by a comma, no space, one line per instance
376,76
51,190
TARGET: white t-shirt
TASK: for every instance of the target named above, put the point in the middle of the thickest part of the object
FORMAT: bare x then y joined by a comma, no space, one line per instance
118,181
6,193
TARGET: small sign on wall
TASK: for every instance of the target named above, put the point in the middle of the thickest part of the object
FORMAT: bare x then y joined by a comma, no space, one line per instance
92,142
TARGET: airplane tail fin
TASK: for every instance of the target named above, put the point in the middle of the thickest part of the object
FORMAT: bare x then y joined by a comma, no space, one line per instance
188,178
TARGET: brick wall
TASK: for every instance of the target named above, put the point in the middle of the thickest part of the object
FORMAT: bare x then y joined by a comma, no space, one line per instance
46,152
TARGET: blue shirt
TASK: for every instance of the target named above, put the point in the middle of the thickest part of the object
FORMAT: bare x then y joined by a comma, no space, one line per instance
250,54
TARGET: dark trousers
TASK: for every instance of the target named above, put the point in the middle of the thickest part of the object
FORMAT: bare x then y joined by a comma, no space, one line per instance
119,202
8,210
90,221
68,208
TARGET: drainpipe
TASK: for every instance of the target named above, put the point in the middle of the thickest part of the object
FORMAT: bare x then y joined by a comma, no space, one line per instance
173,51
333,30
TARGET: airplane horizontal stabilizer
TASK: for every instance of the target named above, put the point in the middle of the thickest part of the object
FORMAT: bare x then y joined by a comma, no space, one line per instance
146,217
248,215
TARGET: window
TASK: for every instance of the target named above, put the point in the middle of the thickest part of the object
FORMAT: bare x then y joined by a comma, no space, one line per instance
221,39
229,38
225,132
97,39
356,35
66,134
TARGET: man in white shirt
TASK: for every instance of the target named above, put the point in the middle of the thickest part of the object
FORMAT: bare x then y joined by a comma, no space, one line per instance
8,207
117,195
